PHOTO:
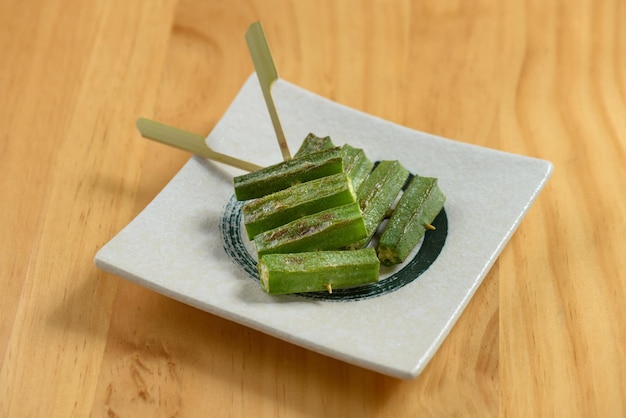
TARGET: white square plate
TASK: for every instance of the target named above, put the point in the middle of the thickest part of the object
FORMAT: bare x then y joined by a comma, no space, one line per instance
186,244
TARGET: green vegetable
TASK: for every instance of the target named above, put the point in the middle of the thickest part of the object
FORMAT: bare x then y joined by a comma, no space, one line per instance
330,229
378,193
313,143
356,164
318,270
418,207
287,173
303,199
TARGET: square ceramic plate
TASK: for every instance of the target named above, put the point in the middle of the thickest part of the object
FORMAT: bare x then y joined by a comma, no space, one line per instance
187,243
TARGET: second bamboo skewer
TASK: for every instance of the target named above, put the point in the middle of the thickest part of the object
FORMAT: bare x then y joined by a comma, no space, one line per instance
267,74
188,141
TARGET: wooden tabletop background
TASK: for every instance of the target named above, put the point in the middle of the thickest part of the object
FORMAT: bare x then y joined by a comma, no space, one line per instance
545,333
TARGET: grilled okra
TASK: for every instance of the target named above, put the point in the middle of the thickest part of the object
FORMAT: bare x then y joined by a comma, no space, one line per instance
378,193
303,199
287,173
356,164
317,270
417,208
329,229
313,143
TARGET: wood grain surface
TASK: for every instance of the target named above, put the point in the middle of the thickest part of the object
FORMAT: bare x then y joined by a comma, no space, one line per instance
543,336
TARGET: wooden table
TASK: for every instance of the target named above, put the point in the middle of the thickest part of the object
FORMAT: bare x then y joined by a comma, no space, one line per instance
543,336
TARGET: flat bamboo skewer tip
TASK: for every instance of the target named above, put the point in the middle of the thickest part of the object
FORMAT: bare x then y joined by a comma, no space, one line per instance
267,74
188,141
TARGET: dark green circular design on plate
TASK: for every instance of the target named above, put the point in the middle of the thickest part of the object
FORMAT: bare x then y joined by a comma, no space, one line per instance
433,242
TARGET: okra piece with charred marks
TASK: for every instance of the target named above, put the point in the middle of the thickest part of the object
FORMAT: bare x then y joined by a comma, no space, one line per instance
279,208
416,210
287,173
356,164
330,229
313,143
378,193
317,270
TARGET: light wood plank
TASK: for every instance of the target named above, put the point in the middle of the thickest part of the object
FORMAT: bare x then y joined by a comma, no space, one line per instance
560,313
56,342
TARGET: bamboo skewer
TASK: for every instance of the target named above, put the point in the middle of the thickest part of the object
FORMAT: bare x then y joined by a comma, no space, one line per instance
194,143
267,74
188,141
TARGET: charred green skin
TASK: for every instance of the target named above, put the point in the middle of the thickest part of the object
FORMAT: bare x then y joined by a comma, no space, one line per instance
303,199
378,193
419,205
330,229
355,162
313,143
314,271
356,165
287,173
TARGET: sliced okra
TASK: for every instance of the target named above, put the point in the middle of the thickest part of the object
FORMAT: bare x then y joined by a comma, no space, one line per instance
317,270
378,193
289,204
313,143
287,173
329,229
356,165
418,207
